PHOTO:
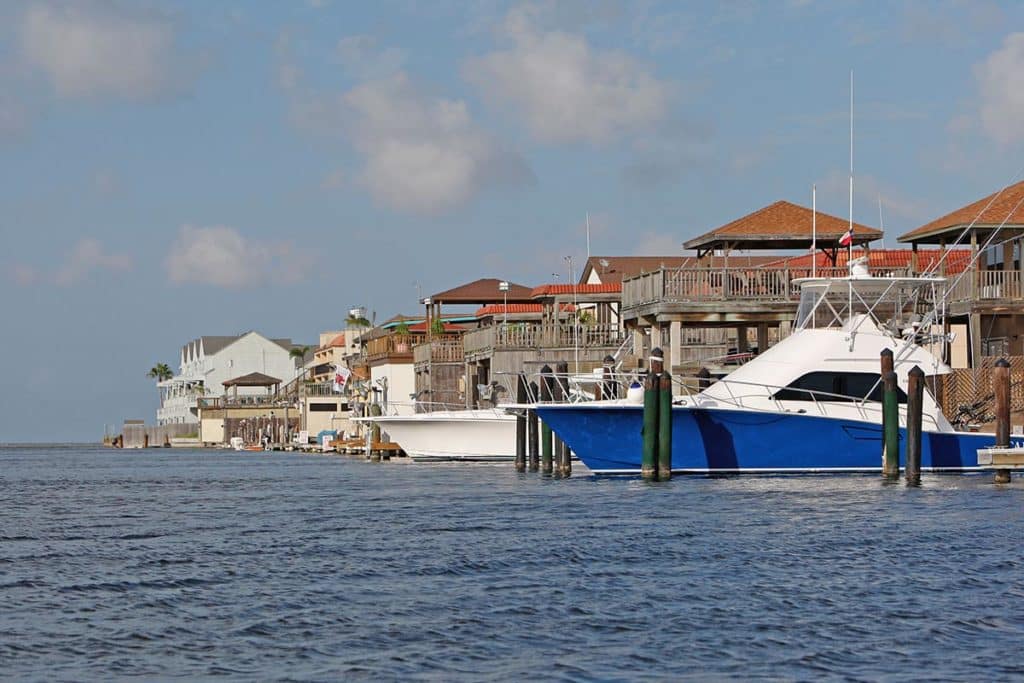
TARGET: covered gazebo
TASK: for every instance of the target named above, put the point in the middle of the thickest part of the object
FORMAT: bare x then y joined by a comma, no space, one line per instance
253,379
482,292
782,225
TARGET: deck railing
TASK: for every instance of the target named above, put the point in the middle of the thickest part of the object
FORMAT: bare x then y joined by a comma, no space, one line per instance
538,336
722,284
987,285
441,349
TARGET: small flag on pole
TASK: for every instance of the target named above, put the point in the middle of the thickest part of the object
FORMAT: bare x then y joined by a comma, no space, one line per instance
341,375
847,238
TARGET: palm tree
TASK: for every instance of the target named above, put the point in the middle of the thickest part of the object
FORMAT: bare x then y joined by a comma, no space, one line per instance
298,353
357,321
160,372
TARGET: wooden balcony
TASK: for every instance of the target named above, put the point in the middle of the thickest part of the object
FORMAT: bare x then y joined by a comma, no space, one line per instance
442,349
988,286
391,349
531,336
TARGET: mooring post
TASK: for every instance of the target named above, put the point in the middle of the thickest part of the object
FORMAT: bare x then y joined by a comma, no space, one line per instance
649,455
521,424
703,379
915,402
657,360
665,426
890,418
547,394
609,388
563,466
375,411
1001,389
531,433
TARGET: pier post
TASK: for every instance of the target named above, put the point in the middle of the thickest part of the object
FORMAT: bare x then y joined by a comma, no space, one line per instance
531,433
915,401
649,455
563,460
657,360
547,390
521,424
890,418
375,410
665,426
1001,389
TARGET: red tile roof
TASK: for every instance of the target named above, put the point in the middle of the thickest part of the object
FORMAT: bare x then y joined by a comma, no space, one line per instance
422,327
499,309
782,222
554,290
956,261
615,268
482,291
1007,206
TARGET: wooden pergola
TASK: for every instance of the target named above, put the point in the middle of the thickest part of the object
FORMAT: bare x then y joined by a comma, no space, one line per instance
782,225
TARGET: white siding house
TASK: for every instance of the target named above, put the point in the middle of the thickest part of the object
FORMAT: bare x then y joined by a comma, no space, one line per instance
206,362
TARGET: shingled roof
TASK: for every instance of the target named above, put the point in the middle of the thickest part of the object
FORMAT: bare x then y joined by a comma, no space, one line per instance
483,291
253,379
1004,208
782,225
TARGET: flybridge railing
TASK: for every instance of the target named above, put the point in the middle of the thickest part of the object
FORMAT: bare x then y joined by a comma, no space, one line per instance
725,284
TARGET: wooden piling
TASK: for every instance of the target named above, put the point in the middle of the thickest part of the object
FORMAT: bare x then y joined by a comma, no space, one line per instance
665,427
563,461
1001,389
375,411
649,455
531,434
547,391
657,360
890,418
915,403
521,399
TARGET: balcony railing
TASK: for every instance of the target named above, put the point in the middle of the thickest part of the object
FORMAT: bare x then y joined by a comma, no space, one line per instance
394,347
540,336
700,285
987,285
441,349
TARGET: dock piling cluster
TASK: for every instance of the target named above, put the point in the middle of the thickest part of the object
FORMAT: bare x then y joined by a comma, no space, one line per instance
656,456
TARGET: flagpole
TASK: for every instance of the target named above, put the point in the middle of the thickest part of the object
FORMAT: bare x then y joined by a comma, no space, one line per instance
814,231
849,255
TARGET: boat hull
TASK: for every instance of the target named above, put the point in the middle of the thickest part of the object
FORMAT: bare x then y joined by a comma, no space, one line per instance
608,441
453,437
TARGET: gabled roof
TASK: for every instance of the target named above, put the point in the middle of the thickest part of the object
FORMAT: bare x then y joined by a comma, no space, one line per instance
611,269
782,225
212,345
1005,208
253,379
880,259
482,291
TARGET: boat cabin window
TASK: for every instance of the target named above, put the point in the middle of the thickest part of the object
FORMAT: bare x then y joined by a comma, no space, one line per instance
850,386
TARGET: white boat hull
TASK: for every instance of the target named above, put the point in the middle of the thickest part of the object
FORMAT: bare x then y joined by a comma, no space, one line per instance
456,436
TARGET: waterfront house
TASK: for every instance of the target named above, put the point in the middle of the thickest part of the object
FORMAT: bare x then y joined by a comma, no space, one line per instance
207,362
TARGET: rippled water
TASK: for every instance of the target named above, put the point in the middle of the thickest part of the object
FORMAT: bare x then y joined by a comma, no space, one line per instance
180,563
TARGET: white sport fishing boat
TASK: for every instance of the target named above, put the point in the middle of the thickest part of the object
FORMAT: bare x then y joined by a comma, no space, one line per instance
480,435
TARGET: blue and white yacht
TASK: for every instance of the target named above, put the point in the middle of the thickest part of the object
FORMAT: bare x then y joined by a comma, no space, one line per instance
811,403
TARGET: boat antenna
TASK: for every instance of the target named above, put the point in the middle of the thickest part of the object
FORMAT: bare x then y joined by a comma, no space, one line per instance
814,231
588,235
849,247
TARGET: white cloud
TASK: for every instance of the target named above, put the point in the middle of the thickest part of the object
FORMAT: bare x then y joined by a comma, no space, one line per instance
223,257
566,89
363,59
1001,84
423,154
100,48
87,257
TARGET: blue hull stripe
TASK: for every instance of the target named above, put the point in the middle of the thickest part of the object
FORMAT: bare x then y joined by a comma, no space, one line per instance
608,439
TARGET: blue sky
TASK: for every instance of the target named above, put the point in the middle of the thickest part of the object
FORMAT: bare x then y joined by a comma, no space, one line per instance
175,169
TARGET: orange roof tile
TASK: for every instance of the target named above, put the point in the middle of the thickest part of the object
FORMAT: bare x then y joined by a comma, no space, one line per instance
1005,206
499,309
554,290
956,261
780,223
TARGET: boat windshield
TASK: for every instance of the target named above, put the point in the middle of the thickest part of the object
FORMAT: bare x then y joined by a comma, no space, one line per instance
894,303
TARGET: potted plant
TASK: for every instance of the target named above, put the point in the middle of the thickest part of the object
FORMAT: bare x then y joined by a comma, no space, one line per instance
436,327
401,332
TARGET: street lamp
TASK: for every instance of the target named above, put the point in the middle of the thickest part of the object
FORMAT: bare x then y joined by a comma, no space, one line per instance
503,287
